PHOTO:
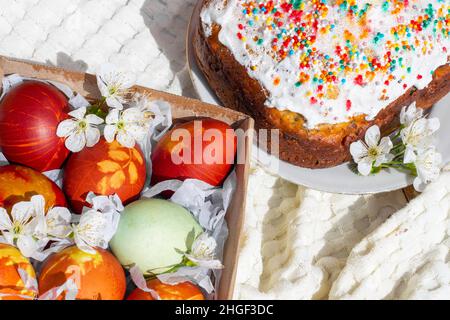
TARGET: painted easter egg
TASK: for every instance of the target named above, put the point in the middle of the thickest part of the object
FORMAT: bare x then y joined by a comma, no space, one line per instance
151,234
29,116
180,291
200,149
19,183
105,169
98,276
12,285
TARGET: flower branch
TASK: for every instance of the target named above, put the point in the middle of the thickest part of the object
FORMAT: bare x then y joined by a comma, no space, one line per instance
409,149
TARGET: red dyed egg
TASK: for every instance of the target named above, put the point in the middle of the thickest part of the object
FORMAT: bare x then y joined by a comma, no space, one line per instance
19,183
98,276
180,291
201,149
29,116
105,169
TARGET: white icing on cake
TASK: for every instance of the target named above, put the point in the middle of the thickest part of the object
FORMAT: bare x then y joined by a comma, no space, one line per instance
368,94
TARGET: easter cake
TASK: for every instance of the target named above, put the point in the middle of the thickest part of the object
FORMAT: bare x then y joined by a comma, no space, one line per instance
323,71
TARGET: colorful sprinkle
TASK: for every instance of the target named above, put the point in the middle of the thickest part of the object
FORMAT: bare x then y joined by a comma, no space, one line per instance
290,28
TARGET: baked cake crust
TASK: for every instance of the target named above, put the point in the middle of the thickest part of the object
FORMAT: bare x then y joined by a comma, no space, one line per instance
324,146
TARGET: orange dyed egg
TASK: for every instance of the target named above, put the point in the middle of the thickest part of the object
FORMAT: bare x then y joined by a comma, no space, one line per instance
181,291
19,183
11,260
98,276
201,149
105,169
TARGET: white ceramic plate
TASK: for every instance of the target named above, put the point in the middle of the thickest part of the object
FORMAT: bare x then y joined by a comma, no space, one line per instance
340,179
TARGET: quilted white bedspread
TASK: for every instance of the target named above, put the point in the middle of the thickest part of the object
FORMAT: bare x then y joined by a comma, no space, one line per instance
298,243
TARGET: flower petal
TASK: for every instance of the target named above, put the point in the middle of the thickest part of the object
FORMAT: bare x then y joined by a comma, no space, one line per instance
83,245
114,103
386,145
410,155
38,202
59,222
65,128
358,151
410,114
93,119
102,86
365,166
92,136
383,158
126,139
110,132
113,116
132,115
78,113
372,136
26,245
76,142
5,220
137,132
21,212
433,125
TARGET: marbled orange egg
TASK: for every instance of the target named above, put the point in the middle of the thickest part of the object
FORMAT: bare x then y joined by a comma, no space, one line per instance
180,291
19,183
105,169
12,285
98,276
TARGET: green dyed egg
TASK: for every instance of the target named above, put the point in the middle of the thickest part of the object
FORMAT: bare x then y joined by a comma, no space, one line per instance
150,234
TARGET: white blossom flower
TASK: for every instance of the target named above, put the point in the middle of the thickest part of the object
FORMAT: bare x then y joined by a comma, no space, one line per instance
372,152
19,230
428,165
94,229
128,126
114,86
55,224
203,252
410,114
105,204
80,131
418,135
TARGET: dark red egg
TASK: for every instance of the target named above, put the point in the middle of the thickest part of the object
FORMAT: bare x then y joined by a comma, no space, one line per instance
201,149
105,169
29,116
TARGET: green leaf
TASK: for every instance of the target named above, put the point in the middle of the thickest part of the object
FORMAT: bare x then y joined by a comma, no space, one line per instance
375,170
179,251
149,275
190,239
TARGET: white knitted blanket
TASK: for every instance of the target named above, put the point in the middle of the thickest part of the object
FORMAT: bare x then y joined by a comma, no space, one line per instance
298,243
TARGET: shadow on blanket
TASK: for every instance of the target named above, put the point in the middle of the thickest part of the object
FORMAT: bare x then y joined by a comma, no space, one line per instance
167,21
63,60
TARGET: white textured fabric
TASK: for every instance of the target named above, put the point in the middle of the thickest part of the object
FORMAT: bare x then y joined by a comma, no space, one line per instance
298,243
146,37
407,257
297,240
